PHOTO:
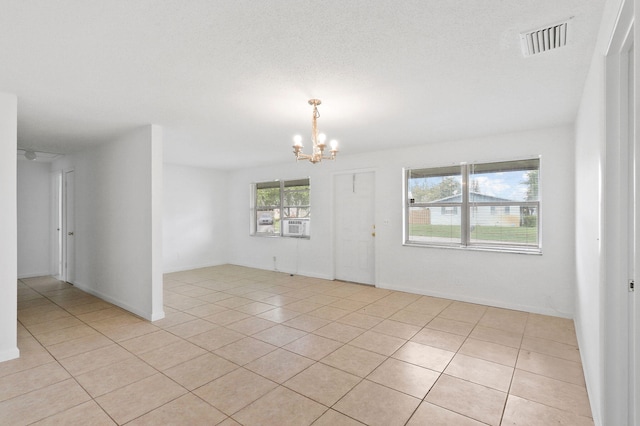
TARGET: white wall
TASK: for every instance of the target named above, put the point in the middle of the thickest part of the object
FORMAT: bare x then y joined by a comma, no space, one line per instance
8,229
34,218
118,217
311,257
543,284
195,217
589,268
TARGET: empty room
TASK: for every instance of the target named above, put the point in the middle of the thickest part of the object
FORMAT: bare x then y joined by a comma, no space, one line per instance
319,213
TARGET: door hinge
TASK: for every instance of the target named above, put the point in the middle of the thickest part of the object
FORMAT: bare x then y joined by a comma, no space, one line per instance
632,285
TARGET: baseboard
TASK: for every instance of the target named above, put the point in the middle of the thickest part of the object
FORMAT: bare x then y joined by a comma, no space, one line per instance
34,274
285,271
157,316
9,354
134,310
189,268
595,404
478,300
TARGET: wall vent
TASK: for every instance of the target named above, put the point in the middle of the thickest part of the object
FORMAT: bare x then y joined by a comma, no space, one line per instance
544,39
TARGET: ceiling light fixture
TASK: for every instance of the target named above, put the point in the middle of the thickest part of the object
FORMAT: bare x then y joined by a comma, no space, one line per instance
318,140
30,155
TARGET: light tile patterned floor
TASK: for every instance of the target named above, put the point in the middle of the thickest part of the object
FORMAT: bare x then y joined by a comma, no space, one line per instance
251,347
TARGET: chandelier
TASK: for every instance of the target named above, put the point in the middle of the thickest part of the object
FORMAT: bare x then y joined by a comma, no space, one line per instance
318,140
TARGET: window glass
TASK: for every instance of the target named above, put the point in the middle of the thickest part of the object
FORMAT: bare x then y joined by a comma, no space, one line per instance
510,224
268,208
424,227
296,198
510,181
282,208
435,196
492,205
441,185
496,193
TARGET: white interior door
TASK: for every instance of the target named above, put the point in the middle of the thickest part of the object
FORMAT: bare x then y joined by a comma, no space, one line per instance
355,227
69,227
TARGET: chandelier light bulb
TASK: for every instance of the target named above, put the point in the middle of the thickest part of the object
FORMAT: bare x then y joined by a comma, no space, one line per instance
321,138
297,140
334,145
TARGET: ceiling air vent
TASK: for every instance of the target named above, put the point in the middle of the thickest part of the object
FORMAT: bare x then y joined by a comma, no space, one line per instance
544,39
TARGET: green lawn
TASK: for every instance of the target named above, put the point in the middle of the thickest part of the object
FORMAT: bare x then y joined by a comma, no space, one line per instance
523,235
443,231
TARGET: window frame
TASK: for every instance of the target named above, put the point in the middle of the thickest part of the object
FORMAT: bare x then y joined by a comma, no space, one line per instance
469,209
281,207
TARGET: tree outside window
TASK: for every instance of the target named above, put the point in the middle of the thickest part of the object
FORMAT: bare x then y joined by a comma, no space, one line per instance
277,203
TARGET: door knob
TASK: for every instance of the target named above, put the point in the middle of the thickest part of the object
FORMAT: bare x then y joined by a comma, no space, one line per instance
70,233
373,234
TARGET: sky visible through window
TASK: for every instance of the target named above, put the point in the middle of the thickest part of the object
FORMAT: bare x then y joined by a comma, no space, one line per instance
509,185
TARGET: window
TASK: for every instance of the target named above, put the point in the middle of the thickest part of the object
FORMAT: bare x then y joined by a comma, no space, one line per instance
449,210
281,208
489,205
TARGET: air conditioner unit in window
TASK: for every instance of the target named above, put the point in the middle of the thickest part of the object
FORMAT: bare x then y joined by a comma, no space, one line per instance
299,227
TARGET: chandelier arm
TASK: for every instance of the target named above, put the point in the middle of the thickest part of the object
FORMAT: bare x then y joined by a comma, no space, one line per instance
302,156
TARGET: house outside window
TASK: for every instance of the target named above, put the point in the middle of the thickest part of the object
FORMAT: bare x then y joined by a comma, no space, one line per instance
449,210
281,208
493,206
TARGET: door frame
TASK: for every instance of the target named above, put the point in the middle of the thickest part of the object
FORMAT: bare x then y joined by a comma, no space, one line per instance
66,276
618,346
57,218
334,231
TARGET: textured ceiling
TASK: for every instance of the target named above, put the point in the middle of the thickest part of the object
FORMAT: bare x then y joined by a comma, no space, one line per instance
229,80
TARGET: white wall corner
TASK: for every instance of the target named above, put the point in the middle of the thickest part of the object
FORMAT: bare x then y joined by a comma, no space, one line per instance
8,227
9,354
148,315
157,316
116,220
157,196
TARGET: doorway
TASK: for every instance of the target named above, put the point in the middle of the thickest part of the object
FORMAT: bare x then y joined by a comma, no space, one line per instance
57,241
621,220
633,220
68,228
355,228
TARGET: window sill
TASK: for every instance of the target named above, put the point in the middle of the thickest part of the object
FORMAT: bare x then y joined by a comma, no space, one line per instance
299,237
514,250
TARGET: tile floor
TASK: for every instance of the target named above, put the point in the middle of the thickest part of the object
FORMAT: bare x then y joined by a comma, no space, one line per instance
251,347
